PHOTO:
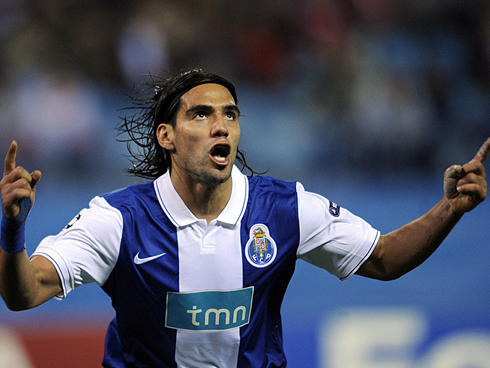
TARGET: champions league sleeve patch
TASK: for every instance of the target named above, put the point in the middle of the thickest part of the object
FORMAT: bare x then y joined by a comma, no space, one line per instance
72,222
261,249
334,209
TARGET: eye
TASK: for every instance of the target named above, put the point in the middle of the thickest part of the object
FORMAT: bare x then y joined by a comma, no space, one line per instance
230,115
200,115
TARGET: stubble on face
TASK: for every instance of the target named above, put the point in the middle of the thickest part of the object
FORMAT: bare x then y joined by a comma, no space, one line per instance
205,130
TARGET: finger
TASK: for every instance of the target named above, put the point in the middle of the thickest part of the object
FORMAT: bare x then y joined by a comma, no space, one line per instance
10,159
482,153
472,178
474,166
474,190
21,174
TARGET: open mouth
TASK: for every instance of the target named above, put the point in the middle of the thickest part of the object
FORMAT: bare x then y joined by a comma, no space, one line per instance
220,152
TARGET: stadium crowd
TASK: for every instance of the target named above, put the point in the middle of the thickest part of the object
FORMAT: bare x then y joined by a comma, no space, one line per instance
363,85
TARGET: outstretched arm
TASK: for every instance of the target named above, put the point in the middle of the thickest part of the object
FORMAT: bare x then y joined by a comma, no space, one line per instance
24,283
404,249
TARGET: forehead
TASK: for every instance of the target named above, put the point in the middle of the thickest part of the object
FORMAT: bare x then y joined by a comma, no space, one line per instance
207,94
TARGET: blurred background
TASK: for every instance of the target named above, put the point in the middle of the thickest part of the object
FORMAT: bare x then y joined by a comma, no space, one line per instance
364,101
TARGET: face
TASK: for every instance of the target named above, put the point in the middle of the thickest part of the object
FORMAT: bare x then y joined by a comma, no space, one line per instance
204,141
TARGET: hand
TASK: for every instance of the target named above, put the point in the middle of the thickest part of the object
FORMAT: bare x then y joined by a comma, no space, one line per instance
17,184
466,186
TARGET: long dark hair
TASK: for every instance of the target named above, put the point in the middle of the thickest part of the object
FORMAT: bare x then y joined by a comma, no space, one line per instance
156,103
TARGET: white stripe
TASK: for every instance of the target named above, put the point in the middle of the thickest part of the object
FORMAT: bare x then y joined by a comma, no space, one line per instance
209,259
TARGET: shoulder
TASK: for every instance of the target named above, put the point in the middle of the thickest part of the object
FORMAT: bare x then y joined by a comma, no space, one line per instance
270,184
134,193
269,192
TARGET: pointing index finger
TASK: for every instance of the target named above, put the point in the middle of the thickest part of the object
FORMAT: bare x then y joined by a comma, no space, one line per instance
10,158
483,152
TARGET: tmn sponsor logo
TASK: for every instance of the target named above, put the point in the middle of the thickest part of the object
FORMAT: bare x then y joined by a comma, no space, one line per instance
209,310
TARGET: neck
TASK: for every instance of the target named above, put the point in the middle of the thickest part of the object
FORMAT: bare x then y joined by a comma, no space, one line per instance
203,201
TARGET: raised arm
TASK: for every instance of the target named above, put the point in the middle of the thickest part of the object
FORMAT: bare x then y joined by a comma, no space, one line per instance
400,251
24,283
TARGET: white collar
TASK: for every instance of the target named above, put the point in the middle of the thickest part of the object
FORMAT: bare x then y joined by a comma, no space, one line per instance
176,210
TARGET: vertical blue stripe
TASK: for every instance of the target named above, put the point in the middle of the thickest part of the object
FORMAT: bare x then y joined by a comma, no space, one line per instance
272,203
138,292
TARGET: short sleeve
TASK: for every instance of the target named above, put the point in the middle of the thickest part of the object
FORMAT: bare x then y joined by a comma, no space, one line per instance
331,237
87,249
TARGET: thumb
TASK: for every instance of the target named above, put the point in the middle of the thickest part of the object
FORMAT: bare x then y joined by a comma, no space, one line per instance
451,177
454,172
25,204
36,176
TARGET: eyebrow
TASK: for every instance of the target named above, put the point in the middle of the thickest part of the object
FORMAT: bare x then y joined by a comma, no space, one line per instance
209,109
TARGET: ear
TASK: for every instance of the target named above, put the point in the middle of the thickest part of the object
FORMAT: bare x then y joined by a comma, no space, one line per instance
165,136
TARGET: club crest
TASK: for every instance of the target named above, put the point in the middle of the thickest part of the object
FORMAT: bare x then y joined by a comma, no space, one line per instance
261,249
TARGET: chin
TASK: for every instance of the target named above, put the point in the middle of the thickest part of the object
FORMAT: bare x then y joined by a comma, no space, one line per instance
225,176
221,177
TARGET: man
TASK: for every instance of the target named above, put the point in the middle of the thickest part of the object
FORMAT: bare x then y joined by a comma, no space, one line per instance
197,261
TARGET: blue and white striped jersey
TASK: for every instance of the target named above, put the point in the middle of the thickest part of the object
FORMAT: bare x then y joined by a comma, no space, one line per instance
189,294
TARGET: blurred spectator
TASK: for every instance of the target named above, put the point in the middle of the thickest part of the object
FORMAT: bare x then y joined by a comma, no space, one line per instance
393,123
142,47
58,119
363,73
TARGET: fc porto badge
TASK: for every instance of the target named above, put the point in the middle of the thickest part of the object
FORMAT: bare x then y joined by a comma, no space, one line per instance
261,249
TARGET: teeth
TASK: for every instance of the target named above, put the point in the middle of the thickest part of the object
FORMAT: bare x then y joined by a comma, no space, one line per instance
219,158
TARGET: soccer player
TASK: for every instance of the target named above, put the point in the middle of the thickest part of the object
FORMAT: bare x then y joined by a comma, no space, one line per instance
197,260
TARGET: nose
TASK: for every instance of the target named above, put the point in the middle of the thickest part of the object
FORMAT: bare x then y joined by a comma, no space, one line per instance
220,129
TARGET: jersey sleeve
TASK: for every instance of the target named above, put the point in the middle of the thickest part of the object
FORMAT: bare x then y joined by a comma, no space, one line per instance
331,237
87,249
